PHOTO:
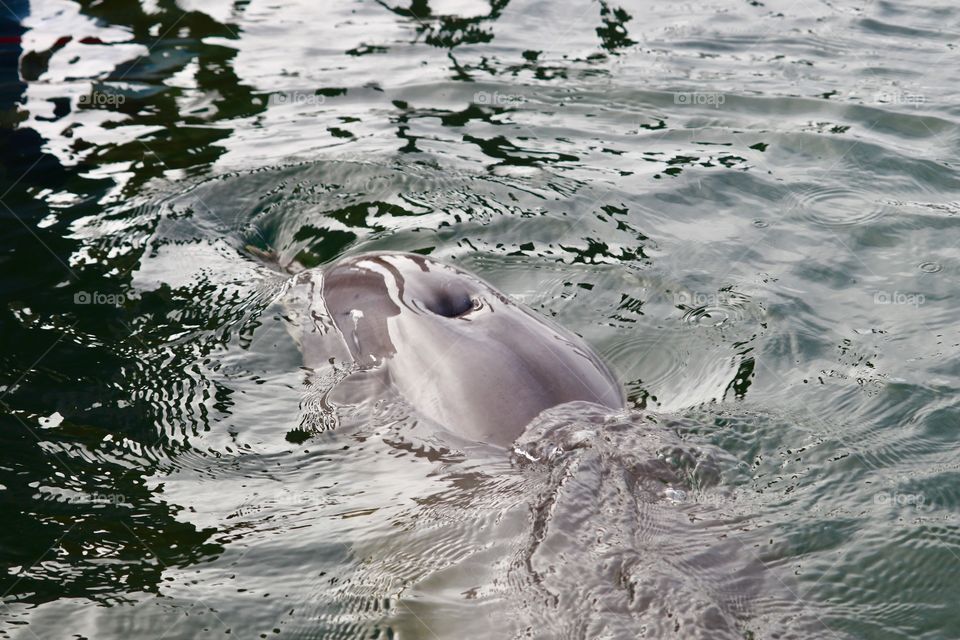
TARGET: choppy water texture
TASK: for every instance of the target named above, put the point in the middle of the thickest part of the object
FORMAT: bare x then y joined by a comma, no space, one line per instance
750,210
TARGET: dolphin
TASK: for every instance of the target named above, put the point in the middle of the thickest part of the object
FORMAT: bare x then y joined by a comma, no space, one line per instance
457,350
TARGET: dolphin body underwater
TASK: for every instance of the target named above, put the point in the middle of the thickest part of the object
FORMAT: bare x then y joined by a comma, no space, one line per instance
456,349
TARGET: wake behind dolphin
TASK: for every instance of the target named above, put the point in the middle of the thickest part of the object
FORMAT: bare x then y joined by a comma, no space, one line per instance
460,352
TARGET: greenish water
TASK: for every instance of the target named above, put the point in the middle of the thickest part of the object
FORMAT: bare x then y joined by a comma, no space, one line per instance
750,209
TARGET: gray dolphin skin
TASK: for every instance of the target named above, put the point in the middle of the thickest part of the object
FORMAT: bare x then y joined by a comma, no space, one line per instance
455,348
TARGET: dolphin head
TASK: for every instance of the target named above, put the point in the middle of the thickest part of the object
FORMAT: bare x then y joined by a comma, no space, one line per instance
457,349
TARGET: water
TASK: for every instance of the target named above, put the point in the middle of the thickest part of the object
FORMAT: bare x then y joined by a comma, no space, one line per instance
750,209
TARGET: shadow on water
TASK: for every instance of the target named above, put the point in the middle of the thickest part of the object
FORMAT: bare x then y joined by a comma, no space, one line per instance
79,444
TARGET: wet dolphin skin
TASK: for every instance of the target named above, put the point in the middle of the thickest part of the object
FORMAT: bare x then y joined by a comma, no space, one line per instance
458,350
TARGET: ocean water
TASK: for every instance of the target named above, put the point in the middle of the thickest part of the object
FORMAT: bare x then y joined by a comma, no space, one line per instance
750,209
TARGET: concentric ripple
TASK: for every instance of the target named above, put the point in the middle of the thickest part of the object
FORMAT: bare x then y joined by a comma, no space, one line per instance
838,206
721,308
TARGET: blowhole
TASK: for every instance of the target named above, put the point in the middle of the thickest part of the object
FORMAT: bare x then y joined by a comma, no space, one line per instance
451,305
